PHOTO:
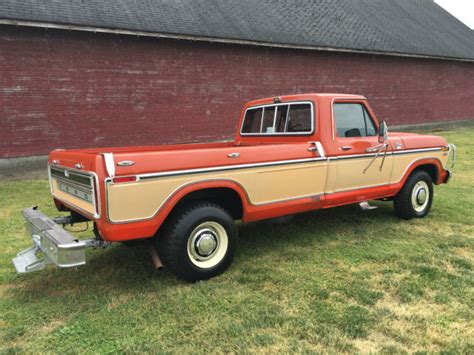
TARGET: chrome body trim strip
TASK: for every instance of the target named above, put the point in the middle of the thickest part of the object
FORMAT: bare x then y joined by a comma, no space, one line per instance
417,150
228,167
288,199
398,152
357,188
277,162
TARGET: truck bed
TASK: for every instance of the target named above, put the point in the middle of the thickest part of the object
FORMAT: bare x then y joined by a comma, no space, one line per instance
152,159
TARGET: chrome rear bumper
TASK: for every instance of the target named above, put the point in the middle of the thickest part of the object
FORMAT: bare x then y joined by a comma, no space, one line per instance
58,246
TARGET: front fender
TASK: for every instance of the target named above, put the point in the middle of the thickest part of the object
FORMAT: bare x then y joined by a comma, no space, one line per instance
433,163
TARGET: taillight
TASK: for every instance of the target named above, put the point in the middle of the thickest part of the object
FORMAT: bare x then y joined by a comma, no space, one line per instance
124,179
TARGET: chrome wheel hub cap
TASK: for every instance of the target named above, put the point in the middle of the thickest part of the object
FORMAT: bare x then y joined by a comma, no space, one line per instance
420,196
207,244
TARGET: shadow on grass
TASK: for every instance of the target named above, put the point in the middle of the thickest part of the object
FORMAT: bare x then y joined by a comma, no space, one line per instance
125,269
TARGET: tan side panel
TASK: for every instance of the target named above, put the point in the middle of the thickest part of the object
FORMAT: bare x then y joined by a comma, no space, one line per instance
331,177
350,173
73,200
403,161
141,200
288,183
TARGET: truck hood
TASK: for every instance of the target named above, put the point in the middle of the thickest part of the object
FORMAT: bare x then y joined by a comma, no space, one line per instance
417,141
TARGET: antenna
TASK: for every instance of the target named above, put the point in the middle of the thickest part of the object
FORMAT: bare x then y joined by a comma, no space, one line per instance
449,128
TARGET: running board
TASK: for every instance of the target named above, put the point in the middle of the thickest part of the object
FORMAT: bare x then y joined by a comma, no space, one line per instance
364,205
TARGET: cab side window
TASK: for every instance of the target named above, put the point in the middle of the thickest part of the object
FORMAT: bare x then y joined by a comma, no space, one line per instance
299,119
268,116
253,121
353,120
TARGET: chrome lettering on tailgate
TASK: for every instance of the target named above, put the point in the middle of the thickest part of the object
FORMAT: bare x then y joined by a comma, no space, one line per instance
81,185
82,193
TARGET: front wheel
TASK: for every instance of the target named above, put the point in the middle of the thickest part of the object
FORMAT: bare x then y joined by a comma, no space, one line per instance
416,196
198,242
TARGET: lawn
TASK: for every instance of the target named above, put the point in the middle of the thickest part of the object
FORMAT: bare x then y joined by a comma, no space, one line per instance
338,280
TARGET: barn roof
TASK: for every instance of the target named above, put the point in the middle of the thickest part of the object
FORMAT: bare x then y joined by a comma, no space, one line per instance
394,27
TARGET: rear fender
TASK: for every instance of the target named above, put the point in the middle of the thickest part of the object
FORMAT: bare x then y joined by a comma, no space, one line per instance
148,228
185,190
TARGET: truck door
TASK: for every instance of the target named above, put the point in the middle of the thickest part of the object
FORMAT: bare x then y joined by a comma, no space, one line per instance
362,161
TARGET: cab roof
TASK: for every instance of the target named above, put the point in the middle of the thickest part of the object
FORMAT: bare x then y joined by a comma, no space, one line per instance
301,97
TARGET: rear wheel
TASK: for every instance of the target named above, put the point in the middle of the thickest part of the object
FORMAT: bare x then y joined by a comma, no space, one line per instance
416,196
198,241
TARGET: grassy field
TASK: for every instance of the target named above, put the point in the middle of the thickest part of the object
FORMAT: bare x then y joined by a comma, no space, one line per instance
340,280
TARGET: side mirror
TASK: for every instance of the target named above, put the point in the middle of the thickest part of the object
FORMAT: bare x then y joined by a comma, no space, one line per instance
383,131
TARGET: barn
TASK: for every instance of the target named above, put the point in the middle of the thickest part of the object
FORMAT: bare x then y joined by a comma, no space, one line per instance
110,73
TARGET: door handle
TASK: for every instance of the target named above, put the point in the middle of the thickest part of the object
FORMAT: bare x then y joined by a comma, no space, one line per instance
126,163
346,147
317,147
233,155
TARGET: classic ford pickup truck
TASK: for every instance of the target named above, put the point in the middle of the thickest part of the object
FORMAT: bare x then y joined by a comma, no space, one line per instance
290,154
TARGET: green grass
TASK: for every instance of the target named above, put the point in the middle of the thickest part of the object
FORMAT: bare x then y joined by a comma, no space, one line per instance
339,280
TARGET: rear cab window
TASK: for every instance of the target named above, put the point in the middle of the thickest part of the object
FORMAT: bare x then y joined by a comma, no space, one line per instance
279,119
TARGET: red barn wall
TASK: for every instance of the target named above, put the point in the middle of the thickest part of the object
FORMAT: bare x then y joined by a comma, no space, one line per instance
61,89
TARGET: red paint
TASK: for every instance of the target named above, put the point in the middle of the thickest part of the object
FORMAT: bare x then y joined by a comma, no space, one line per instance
161,159
66,89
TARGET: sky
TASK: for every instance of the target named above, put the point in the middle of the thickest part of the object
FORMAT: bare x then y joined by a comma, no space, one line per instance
462,9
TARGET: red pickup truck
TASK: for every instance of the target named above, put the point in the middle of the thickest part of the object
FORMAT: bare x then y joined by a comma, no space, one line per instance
290,154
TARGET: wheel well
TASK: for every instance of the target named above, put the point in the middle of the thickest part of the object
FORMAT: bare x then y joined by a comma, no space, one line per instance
431,169
225,197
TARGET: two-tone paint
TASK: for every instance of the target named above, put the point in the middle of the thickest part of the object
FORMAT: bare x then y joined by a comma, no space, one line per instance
271,175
